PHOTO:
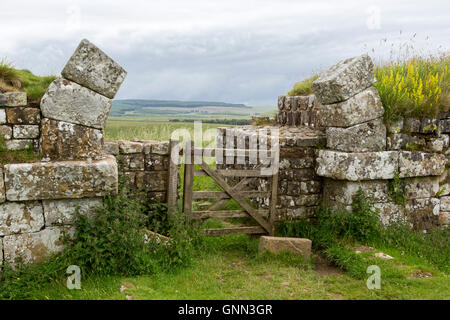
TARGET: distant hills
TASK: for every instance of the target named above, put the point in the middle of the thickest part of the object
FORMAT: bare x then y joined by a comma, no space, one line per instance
142,107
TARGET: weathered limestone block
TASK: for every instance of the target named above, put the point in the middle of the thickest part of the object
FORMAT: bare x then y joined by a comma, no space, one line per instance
343,192
2,116
297,246
368,136
25,131
291,163
356,166
305,174
132,161
130,147
300,212
60,180
19,144
398,141
445,125
390,212
61,212
445,203
20,217
438,144
156,147
308,187
6,132
396,126
424,213
111,147
13,99
1,250
306,200
426,187
363,107
417,164
23,115
33,247
2,187
92,68
153,181
344,80
67,101
156,162
67,141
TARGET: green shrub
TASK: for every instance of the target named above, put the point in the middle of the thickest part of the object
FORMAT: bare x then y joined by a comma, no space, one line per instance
9,76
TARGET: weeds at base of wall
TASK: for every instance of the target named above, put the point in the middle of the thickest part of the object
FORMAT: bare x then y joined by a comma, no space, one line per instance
335,232
113,241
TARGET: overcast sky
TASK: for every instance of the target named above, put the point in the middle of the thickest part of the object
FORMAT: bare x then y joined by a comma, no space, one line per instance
242,51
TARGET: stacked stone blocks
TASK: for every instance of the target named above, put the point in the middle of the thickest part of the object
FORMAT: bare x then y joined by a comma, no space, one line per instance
38,200
362,153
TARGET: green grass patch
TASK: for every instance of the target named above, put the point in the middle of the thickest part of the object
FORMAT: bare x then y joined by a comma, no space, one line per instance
17,156
303,88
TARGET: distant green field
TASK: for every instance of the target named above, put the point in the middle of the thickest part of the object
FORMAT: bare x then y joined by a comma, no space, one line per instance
148,130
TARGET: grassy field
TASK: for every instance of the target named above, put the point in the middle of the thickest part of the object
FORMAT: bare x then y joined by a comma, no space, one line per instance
230,268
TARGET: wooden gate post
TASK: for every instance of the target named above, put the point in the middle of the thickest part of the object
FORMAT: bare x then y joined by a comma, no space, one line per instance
188,178
172,186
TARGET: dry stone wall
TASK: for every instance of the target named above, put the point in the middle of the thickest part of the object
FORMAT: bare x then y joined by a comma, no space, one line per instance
144,165
38,199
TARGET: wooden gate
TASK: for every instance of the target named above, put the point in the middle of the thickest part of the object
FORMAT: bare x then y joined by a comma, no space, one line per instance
264,218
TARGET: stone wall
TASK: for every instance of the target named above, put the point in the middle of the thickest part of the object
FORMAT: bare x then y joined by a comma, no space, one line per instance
38,199
299,187
144,165
19,122
298,111
362,152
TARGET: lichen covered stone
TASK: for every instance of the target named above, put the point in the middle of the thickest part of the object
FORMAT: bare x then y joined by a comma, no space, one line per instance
20,217
67,141
368,136
68,101
92,68
417,164
13,99
60,180
362,107
356,166
62,212
344,80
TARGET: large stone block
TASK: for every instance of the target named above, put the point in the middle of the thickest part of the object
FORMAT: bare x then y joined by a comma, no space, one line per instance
111,147
356,166
23,115
133,161
417,164
343,192
6,132
13,99
33,247
344,80
61,212
92,68
20,217
363,107
423,213
19,144
67,141
130,147
297,246
60,180
368,136
422,187
67,101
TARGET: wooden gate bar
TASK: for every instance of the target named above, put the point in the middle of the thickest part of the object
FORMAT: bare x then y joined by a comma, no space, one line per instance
188,179
224,214
224,195
172,186
236,196
226,231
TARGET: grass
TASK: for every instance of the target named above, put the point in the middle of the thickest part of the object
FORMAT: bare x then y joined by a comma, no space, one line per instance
12,79
230,268
303,88
17,156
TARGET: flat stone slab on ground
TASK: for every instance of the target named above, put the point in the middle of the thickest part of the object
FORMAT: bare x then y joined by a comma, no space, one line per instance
297,246
68,101
344,80
92,68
